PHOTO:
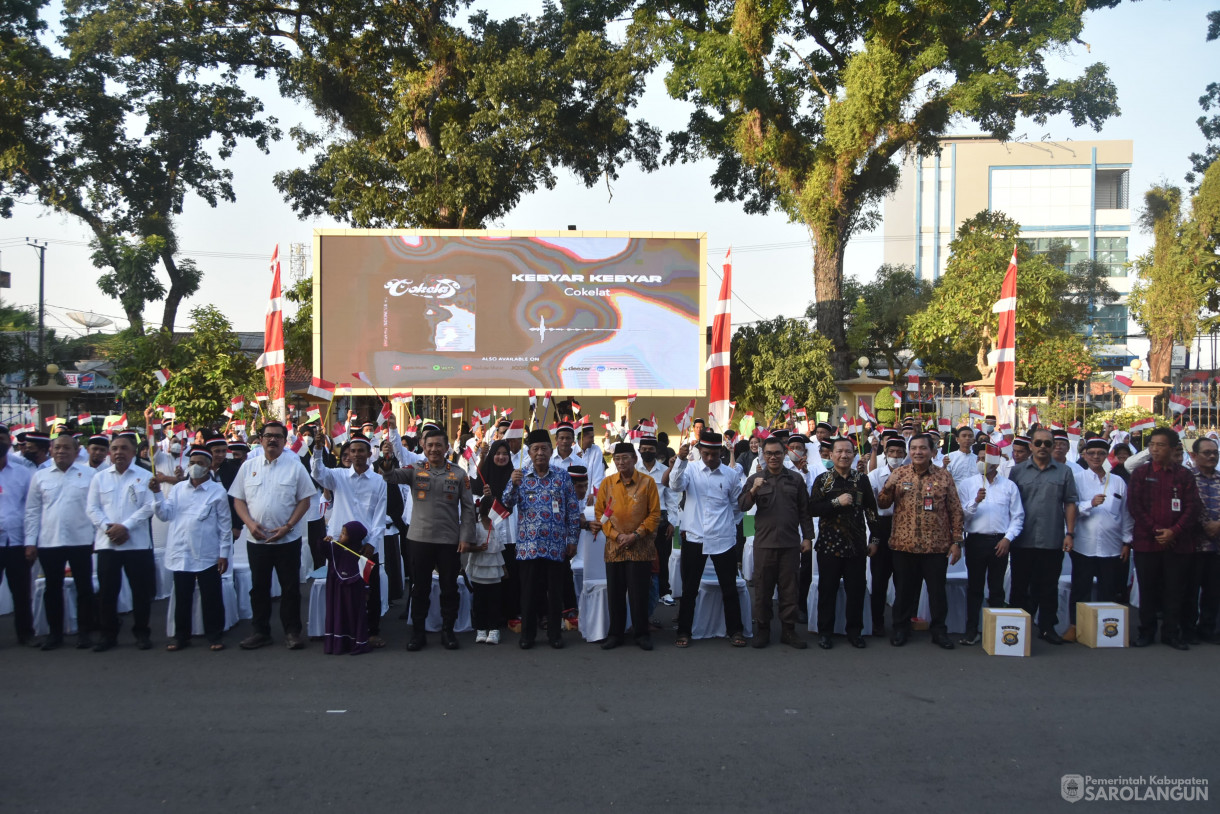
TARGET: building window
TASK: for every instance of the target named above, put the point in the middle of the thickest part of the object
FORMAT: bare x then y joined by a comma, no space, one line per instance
1071,249
1111,321
1112,253
1112,189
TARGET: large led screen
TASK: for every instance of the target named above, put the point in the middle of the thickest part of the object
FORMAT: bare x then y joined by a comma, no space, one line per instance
452,312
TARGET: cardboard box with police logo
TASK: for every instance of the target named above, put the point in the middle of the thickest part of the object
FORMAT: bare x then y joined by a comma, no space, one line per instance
1101,624
1006,631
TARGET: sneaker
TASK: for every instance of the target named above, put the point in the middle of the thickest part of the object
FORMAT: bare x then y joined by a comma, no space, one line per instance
668,600
514,625
480,637
493,637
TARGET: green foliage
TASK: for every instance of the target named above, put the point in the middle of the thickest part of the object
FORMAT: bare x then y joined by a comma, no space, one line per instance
1177,278
781,357
959,324
298,328
885,414
436,123
880,313
1209,124
806,106
133,279
1122,418
207,366
114,123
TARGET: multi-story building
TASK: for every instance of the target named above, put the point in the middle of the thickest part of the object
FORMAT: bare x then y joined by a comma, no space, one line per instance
1076,193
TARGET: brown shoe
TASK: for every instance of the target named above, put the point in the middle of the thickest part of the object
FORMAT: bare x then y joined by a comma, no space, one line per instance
792,639
294,642
255,641
1069,635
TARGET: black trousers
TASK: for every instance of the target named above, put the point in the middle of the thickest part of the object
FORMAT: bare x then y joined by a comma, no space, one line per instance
141,570
628,583
542,581
910,571
211,602
1108,571
881,564
776,569
665,547
984,570
1035,584
487,605
850,570
445,560
1202,595
53,560
805,580
393,567
691,567
15,570
1162,576
511,594
375,588
285,560
316,532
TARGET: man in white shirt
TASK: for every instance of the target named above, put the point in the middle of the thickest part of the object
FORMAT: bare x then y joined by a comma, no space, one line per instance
271,496
881,561
564,455
962,461
593,456
198,546
709,524
57,530
120,505
14,563
98,452
36,449
360,495
649,465
994,516
1101,549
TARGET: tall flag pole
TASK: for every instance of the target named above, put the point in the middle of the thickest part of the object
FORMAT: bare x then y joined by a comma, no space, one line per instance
1004,356
272,360
718,361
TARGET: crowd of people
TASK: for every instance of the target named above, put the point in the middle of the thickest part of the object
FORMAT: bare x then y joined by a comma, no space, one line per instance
506,512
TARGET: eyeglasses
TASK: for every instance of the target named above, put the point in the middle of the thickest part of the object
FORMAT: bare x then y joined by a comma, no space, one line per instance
274,436
1043,443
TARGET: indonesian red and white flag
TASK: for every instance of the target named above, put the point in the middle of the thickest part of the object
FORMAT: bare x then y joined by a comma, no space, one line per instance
1033,416
972,391
515,429
1122,384
498,514
168,412
913,383
801,412
1179,404
84,418
457,414
260,397
321,389
163,376
271,362
366,567
631,398
608,512
1075,429
237,403
575,406
865,412
402,398
604,416
976,417
343,389
1143,425
180,431
718,361
1004,356
338,433
364,377
312,414
114,423
533,399
1004,429
786,403
53,420
546,399
387,412
994,458
943,424
1055,425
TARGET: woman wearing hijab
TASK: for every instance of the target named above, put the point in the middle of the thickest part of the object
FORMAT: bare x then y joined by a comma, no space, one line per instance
484,564
347,592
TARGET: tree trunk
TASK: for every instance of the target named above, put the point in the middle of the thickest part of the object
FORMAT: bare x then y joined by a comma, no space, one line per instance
179,288
828,297
1160,355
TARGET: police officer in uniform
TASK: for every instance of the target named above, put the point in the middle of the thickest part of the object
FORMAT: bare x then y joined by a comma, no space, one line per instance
442,525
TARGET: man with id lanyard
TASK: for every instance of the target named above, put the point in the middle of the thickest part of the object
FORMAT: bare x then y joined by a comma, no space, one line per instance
1165,507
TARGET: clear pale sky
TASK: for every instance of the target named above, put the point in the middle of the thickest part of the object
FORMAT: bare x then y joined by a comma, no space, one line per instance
1156,55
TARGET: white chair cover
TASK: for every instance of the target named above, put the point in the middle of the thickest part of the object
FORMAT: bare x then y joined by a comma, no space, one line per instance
165,577
747,559
709,607
434,624
41,627
593,601
227,591
241,587
315,625
6,598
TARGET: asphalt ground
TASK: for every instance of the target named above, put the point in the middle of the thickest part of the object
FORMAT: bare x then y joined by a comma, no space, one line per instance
496,729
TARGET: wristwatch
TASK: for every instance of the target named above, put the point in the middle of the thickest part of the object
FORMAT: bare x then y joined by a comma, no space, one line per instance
1070,534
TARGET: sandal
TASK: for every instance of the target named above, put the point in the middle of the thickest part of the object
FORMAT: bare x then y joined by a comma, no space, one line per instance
216,647
175,646
376,641
683,640
738,639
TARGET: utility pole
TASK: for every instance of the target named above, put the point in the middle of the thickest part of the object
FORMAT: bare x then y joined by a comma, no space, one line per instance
41,248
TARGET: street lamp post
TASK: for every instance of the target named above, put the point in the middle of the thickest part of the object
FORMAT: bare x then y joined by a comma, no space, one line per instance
41,248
